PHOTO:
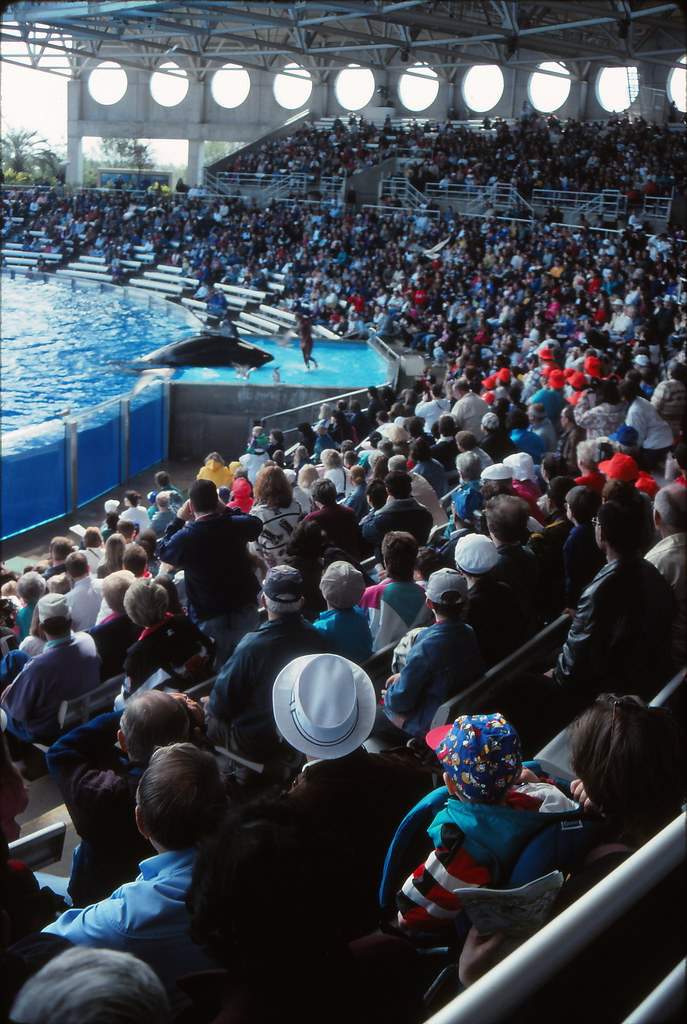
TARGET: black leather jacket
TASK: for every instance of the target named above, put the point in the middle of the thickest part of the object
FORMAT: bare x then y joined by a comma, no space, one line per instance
619,640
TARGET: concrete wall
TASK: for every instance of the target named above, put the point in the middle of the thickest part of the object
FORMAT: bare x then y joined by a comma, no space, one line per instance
199,118
207,417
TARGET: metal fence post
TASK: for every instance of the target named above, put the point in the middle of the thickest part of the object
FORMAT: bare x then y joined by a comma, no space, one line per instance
71,428
125,421
166,415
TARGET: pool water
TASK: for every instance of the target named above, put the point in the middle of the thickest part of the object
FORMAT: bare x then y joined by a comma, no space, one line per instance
57,340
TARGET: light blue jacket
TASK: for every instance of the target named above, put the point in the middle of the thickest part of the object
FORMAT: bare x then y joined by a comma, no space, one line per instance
147,917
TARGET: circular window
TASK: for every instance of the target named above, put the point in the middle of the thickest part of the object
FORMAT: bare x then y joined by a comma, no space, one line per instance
354,87
230,86
107,83
292,87
483,87
169,84
617,88
548,90
677,85
418,87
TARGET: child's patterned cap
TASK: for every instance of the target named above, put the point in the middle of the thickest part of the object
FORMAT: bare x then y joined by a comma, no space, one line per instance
481,753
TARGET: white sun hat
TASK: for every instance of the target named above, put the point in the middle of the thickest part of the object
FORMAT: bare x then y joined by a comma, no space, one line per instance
324,705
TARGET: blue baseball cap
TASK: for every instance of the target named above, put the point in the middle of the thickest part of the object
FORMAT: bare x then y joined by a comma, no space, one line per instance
481,754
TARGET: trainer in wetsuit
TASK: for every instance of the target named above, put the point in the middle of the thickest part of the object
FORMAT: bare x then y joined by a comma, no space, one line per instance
305,335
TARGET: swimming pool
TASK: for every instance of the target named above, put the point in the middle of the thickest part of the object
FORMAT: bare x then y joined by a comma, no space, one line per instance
57,341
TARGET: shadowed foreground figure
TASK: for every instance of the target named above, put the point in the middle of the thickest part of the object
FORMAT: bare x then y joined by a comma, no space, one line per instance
259,908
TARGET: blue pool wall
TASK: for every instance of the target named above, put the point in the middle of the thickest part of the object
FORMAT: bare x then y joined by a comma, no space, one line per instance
54,468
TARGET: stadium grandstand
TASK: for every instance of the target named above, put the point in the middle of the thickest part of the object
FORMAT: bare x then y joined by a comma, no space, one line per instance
360,698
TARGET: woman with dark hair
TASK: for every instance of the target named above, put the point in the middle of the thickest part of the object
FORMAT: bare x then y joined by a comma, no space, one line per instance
304,552
601,409
257,908
279,513
630,762
308,436
276,442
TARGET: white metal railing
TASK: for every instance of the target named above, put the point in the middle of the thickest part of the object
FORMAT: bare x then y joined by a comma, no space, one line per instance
275,186
522,973
475,198
409,197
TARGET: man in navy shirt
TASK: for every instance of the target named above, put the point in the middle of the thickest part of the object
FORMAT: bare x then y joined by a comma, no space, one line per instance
208,542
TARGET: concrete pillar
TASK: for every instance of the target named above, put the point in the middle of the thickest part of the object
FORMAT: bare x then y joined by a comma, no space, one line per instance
194,172
74,172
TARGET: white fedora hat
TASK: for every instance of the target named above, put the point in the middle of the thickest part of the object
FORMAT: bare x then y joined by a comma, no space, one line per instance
324,705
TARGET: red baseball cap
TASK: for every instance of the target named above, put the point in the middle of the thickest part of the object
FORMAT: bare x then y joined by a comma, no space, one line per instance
557,379
592,366
620,467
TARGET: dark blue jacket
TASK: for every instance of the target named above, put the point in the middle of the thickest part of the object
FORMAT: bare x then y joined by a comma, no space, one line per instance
212,552
98,786
398,514
242,694
444,659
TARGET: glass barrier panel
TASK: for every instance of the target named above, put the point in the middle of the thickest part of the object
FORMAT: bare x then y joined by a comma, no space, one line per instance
98,453
147,442
33,484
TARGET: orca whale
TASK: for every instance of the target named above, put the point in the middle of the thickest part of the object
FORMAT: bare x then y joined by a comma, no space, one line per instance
209,348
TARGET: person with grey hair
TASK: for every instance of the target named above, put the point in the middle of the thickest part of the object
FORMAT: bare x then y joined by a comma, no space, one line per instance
148,917
669,556
164,514
30,588
239,715
97,767
588,460
68,667
466,498
84,597
171,650
115,633
92,986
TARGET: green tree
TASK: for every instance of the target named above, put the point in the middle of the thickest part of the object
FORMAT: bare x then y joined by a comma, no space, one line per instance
25,152
125,153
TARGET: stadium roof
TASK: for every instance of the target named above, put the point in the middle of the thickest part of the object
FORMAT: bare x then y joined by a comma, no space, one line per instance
324,37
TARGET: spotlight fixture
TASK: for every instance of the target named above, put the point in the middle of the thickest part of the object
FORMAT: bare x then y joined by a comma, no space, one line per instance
404,56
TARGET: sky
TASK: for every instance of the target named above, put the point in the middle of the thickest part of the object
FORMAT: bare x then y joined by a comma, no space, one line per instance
37,101
34,100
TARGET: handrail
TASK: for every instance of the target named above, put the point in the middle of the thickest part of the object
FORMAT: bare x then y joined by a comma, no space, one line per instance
522,973
504,670
665,1001
319,401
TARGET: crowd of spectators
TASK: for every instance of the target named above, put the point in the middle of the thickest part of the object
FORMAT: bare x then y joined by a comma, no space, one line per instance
635,157
551,419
